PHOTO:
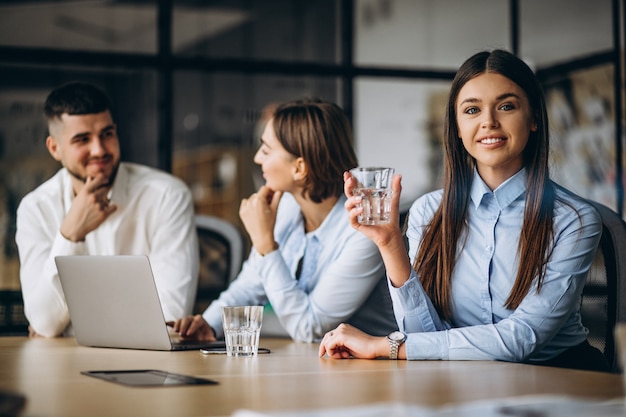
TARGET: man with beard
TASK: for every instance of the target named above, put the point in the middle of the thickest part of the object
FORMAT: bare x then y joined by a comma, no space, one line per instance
97,205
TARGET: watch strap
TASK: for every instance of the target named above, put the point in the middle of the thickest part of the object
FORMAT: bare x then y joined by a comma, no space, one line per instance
394,345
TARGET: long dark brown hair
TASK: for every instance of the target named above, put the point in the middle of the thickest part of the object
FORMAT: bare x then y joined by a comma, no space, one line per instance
437,252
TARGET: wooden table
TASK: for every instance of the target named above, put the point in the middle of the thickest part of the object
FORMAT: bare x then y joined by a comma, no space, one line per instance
292,377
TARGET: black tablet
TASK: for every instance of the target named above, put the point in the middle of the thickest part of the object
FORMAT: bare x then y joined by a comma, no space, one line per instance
11,403
148,378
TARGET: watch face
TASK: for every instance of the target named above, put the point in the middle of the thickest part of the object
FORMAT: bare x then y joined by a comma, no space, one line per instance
397,336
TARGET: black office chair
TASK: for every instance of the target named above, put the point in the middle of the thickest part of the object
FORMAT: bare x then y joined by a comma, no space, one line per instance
604,294
12,319
222,247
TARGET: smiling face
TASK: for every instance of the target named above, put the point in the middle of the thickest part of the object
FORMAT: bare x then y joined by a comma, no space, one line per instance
494,121
86,145
281,170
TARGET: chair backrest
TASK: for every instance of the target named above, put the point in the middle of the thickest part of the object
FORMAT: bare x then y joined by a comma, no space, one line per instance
222,248
12,319
604,294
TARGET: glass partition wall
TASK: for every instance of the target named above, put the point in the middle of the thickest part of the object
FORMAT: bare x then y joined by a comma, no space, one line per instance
192,81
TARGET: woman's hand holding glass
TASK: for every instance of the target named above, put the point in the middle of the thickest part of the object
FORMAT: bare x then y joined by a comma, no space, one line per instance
379,233
388,237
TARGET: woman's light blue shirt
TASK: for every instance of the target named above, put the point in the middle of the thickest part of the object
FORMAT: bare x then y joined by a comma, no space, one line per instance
347,284
544,325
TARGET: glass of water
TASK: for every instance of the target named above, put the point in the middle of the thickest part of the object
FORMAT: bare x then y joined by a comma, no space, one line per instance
374,188
242,327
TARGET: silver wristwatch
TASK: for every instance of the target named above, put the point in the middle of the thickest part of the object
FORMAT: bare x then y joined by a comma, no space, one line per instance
395,340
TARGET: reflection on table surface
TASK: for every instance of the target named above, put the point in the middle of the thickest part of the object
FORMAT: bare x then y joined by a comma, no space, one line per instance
292,377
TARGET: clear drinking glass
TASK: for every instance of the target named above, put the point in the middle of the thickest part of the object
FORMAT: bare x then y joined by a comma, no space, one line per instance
242,327
374,187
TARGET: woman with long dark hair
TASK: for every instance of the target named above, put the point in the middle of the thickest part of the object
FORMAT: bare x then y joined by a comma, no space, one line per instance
498,257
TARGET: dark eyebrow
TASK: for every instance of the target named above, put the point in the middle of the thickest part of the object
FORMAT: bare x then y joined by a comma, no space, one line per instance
264,142
499,98
469,100
507,95
105,129
79,135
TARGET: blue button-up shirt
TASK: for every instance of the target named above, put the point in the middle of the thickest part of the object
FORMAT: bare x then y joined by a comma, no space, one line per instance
346,283
481,328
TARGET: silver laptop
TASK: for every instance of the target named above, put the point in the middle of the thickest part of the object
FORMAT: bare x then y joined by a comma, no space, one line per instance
113,302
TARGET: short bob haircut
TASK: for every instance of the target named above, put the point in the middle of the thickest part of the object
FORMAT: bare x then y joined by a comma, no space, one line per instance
320,133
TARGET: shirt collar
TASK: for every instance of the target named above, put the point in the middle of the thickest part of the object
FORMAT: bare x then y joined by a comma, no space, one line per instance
504,195
119,190
330,222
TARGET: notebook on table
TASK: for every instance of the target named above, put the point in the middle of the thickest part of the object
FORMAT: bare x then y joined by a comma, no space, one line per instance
113,302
